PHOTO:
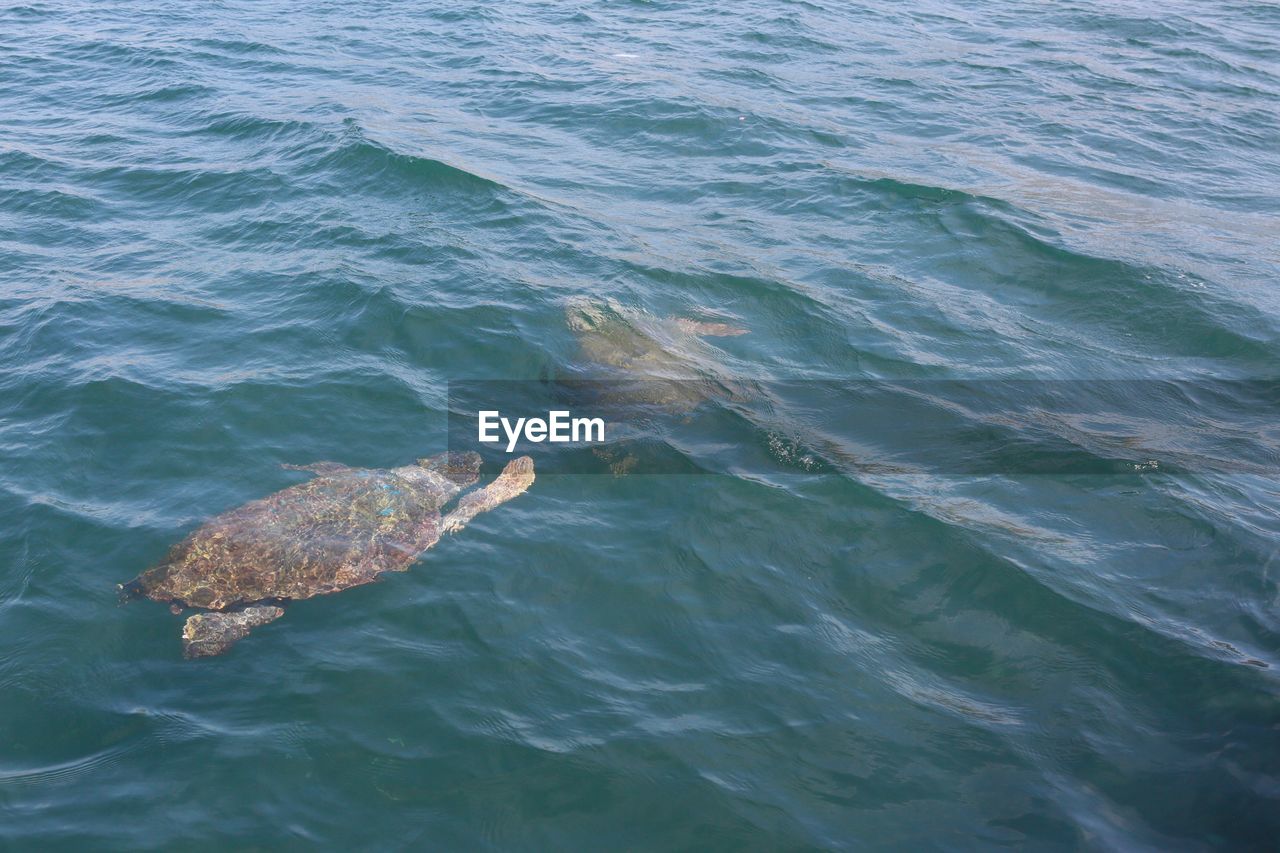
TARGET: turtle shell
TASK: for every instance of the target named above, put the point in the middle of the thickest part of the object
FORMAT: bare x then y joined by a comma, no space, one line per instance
341,529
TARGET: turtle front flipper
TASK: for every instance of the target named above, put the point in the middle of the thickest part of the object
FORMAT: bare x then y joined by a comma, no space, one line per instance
512,482
318,467
207,634
704,329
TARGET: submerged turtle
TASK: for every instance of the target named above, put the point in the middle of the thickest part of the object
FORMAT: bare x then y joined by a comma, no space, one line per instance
341,529
639,343
660,361
638,365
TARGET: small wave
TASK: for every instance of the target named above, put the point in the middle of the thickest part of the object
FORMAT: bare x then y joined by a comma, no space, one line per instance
241,47
246,127
358,156
53,204
110,54
201,186
52,774
164,93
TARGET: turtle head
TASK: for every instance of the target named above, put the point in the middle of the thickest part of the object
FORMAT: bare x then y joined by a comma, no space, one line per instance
462,468
131,590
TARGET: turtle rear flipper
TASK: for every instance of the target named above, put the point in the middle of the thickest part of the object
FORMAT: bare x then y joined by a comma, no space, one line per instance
207,634
514,479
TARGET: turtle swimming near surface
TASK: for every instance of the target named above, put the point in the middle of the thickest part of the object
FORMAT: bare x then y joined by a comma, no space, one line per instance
341,529
661,361
612,336
638,365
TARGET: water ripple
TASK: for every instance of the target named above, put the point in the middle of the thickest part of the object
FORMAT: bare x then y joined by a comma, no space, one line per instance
235,237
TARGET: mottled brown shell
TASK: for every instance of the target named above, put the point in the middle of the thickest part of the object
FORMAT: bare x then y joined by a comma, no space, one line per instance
341,529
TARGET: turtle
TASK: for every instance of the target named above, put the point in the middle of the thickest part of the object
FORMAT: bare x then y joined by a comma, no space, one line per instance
342,528
638,365
648,360
628,342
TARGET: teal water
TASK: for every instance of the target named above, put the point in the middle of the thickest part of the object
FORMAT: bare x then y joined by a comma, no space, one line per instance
234,235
